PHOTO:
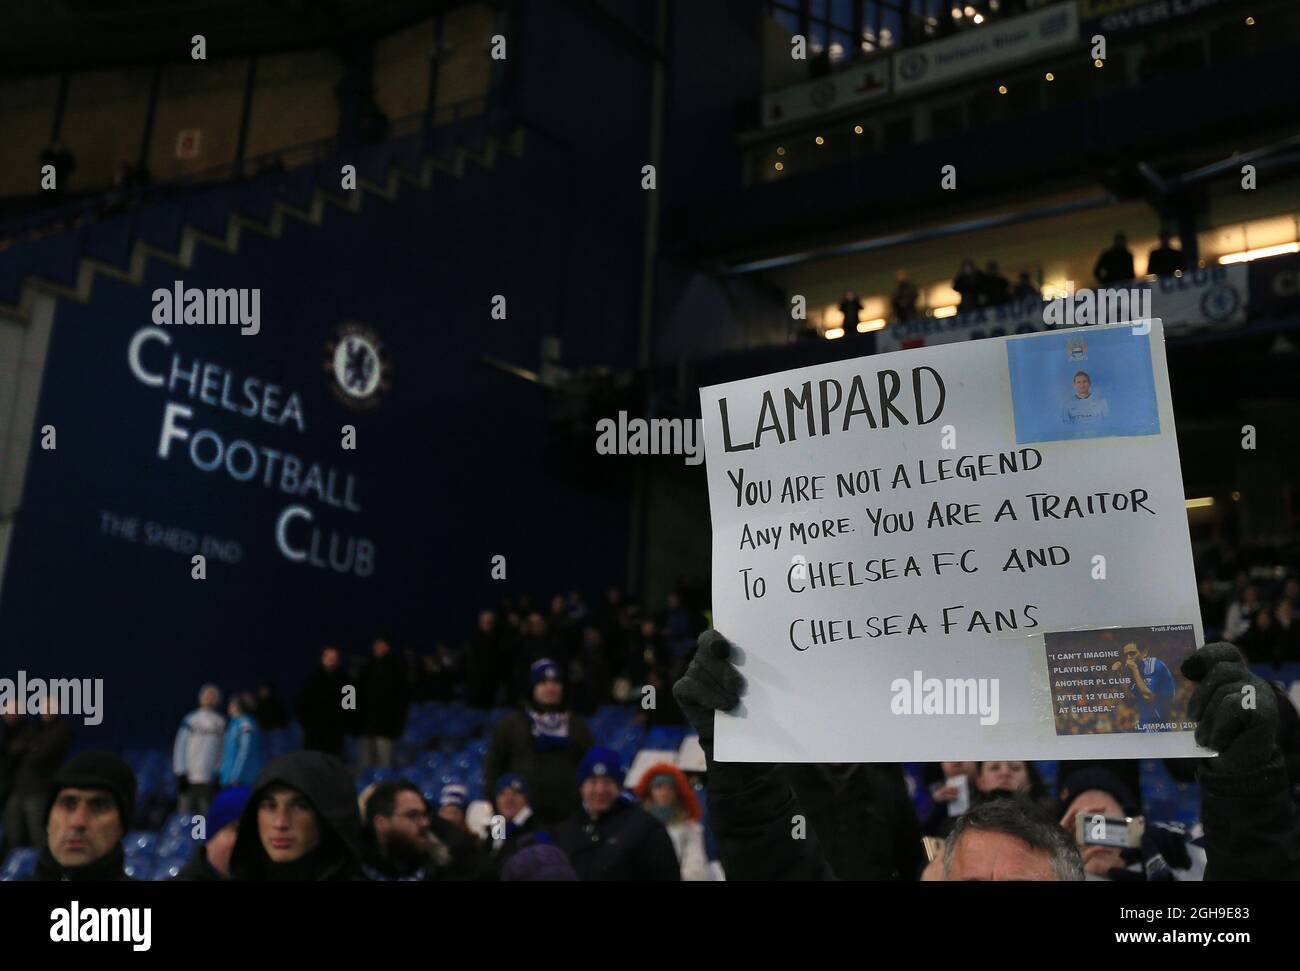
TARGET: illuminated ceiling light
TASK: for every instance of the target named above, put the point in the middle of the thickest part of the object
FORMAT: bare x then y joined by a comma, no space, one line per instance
1200,503
857,129
834,333
866,326
780,150
1236,497
1250,21
820,140
968,10
780,166
1098,62
948,311
1002,89
1050,76
979,18
1245,256
956,13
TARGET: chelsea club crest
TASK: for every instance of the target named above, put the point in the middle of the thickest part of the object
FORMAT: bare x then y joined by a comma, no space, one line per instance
357,366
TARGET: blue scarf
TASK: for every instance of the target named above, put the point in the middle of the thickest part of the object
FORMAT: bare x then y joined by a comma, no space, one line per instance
550,730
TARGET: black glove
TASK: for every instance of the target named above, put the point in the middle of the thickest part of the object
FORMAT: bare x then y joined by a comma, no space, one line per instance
1242,729
711,683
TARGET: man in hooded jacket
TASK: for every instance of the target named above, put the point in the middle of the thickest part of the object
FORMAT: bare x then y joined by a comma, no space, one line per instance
300,823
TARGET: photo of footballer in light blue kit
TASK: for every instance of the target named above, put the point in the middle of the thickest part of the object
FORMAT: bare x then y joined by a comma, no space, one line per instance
1082,382
1084,405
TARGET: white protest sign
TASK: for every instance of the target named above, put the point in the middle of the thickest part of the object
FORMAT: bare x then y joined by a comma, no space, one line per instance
973,551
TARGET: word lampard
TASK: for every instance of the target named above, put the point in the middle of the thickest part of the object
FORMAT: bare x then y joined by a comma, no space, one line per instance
131,925
946,696
651,436
63,696
242,307
828,399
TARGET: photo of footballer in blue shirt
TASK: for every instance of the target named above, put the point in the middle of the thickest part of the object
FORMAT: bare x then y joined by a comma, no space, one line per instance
1150,685
1084,405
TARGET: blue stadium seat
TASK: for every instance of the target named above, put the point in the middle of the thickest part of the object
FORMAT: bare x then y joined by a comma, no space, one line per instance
140,843
19,865
667,737
176,825
168,867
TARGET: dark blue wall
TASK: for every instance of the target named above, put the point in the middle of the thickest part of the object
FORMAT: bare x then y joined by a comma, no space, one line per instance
450,464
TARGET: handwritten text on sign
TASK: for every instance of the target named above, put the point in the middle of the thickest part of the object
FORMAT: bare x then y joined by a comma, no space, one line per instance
898,539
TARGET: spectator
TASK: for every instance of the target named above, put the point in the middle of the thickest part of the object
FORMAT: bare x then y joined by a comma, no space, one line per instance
993,289
1164,260
1240,612
1115,265
270,714
300,823
863,816
403,841
1009,839
1017,778
210,861
668,797
851,308
543,743
612,838
485,662
196,754
535,645
321,713
967,285
538,860
1025,289
41,750
453,800
946,791
515,822
902,305
1262,642
88,808
383,697
241,757
1096,791
13,740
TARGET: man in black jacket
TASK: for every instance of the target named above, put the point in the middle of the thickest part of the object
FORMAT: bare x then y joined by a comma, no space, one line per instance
544,743
1252,829
613,838
40,750
1115,265
320,706
87,812
383,698
300,823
